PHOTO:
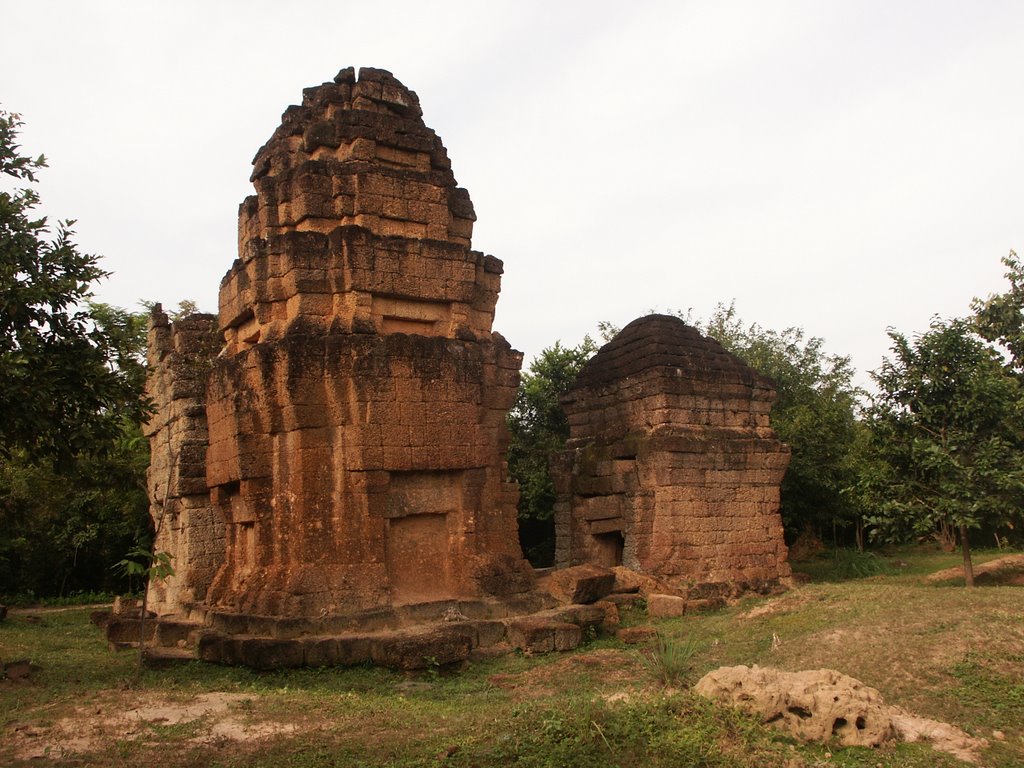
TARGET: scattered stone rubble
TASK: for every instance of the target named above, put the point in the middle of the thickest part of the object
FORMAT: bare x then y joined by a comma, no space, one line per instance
672,468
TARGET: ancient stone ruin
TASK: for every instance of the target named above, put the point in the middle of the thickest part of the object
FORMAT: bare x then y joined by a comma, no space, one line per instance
180,357
672,468
357,415
328,452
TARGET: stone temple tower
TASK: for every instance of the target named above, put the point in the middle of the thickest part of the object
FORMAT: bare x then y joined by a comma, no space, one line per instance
356,413
672,467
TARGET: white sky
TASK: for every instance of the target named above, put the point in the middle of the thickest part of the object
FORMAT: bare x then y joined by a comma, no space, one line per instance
839,166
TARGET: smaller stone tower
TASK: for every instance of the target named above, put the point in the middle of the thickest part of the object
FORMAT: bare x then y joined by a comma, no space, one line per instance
180,356
672,468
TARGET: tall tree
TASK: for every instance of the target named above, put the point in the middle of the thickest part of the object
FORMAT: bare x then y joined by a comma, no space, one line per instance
949,425
1000,317
538,429
814,413
61,391
72,458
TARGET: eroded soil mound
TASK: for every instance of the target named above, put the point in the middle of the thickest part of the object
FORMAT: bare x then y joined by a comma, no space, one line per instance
1007,570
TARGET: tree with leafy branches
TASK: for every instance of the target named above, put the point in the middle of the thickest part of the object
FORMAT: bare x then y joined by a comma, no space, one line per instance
61,390
948,425
538,429
1000,318
72,373
63,523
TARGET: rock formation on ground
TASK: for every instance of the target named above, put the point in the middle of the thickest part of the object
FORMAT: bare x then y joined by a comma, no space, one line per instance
823,704
672,468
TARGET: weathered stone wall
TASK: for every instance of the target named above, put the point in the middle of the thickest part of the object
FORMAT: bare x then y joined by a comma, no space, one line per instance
180,356
357,415
672,467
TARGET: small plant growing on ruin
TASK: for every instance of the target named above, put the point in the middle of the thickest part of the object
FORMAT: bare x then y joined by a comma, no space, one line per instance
134,561
148,565
433,667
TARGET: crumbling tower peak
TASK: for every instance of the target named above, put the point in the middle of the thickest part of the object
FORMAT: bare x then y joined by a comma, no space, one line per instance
357,225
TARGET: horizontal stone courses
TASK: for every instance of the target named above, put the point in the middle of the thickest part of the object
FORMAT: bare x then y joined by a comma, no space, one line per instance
278,643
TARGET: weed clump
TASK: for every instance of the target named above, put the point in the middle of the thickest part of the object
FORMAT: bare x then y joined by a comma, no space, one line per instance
670,659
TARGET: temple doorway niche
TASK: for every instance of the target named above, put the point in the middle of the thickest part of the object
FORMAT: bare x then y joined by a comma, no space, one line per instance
418,558
608,548
419,550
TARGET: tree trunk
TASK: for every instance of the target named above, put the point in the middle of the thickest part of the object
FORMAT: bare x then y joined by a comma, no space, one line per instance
968,566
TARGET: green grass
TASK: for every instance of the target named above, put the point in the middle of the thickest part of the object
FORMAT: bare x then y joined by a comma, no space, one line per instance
27,599
943,652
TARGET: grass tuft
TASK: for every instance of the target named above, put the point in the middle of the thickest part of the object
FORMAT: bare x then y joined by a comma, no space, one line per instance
671,659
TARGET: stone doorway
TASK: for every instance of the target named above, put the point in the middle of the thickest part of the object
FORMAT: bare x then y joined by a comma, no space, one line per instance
608,548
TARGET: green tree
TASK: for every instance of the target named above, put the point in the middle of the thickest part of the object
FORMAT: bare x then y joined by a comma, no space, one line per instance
1000,317
72,374
539,429
63,524
948,423
815,413
61,390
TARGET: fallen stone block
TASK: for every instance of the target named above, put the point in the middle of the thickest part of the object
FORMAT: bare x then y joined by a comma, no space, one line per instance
588,618
123,632
628,581
436,646
611,614
173,633
534,635
662,606
635,635
705,604
581,583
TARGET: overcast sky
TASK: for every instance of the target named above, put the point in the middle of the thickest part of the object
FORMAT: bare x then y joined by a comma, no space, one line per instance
839,166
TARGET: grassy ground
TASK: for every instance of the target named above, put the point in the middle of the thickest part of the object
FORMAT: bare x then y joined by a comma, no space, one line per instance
941,652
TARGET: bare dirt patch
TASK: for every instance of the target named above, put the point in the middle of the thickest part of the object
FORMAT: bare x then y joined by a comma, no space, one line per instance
208,718
1008,571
